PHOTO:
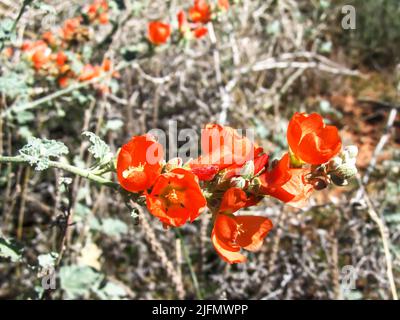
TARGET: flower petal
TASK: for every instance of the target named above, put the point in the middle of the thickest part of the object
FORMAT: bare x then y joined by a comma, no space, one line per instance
252,232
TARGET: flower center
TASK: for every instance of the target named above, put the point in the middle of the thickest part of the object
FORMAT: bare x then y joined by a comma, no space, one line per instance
127,173
239,229
174,196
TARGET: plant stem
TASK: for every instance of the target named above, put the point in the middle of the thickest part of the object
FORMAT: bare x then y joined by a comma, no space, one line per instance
386,244
190,265
66,167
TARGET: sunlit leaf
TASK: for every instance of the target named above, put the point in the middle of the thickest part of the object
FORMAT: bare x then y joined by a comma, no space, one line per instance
99,149
38,152
10,249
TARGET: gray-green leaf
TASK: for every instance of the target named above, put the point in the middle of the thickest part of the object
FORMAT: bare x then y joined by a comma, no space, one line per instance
10,249
99,149
78,281
38,152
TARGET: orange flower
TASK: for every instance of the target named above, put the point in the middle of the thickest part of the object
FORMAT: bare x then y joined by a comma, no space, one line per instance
63,82
233,200
70,28
311,140
183,24
98,10
106,66
138,163
223,5
176,197
200,32
50,38
89,72
158,32
103,18
204,171
8,52
287,184
39,53
222,147
200,12
61,58
231,233
185,28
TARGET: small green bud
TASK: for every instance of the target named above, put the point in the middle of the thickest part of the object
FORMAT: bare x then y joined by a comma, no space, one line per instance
345,171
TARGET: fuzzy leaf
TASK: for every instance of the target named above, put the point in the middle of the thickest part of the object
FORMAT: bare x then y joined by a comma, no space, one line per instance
111,291
13,84
39,151
113,227
99,149
10,249
78,281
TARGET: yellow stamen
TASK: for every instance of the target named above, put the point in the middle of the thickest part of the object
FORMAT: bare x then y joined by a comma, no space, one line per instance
239,229
131,170
172,197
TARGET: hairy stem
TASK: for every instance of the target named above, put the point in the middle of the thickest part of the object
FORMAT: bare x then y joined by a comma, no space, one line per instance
66,167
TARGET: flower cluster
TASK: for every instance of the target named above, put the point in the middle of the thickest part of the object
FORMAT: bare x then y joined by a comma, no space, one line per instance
190,25
55,55
233,173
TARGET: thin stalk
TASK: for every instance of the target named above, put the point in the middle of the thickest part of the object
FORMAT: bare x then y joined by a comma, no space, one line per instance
66,167
21,213
190,265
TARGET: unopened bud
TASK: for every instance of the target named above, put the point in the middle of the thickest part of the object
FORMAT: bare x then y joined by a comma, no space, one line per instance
254,185
346,171
247,170
334,163
238,182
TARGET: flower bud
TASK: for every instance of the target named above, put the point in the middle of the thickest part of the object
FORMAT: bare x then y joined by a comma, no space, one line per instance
254,185
238,182
247,170
334,163
346,171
